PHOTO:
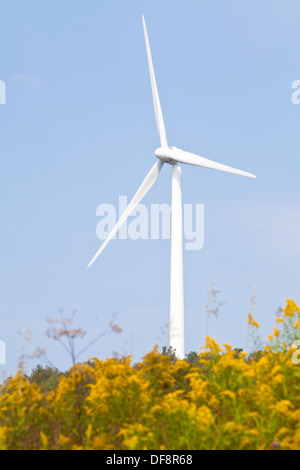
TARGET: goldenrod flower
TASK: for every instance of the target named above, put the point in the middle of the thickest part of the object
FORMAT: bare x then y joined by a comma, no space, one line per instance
212,345
251,321
291,308
283,407
276,332
228,393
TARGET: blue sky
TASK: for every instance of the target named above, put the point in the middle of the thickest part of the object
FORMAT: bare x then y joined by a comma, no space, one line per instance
78,130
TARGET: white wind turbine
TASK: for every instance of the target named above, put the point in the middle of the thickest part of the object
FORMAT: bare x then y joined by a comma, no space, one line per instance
175,157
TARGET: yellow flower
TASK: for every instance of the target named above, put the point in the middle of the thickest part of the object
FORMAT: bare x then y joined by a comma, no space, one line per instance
44,441
296,415
276,332
213,402
63,441
131,442
212,345
243,392
156,408
243,354
278,379
279,320
228,393
251,321
291,308
204,417
245,442
232,426
3,433
283,407
281,432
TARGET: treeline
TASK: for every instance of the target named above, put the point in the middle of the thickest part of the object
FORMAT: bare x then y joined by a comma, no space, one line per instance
47,377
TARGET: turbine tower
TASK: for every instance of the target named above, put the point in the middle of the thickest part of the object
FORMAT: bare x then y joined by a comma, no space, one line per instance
174,157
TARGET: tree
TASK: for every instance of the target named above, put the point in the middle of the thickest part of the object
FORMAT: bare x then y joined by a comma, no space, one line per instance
47,378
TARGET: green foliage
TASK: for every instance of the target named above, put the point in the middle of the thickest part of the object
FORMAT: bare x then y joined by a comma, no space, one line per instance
170,353
47,378
192,358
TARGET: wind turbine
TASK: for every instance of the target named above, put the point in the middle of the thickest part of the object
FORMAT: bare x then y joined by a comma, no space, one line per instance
174,157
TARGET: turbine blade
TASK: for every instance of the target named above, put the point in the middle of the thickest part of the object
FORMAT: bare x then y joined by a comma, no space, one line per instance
157,108
192,159
141,192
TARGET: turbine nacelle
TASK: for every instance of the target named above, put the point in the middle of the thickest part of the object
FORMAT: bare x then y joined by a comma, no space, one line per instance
166,154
